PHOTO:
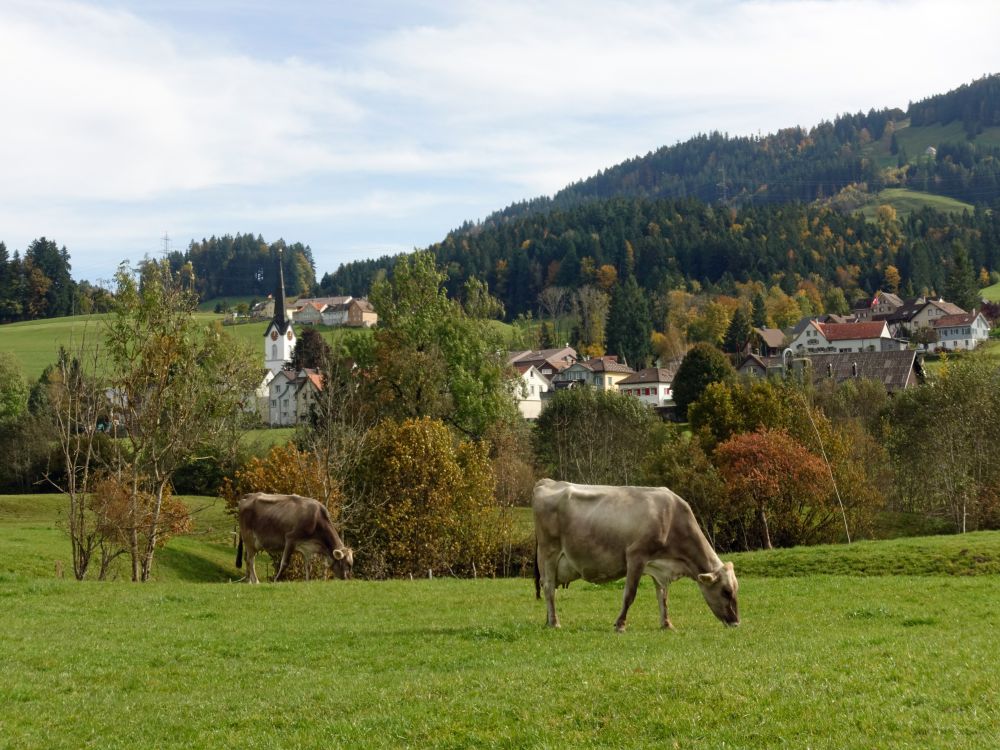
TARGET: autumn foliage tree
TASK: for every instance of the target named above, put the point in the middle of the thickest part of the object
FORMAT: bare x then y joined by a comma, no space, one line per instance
424,502
779,489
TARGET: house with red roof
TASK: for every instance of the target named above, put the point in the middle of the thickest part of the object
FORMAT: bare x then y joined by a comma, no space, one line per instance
816,337
960,331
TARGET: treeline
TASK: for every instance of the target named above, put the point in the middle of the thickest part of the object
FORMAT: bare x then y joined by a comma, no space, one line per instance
245,265
38,285
670,244
976,104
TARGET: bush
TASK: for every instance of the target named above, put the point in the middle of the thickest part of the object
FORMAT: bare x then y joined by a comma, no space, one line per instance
423,503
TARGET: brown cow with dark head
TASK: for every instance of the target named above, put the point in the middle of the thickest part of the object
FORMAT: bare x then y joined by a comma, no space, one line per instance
280,524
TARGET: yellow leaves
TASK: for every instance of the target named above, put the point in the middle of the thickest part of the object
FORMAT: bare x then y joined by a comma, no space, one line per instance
284,470
424,502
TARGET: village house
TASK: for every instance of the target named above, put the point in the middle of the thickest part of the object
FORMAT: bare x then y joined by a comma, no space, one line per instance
548,361
651,385
962,331
767,341
603,373
529,389
881,305
292,396
819,337
895,369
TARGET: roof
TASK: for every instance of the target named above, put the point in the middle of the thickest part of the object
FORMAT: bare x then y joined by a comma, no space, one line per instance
828,318
851,331
606,363
558,358
650,375
773,337
894,369
948,308
962,319
303,301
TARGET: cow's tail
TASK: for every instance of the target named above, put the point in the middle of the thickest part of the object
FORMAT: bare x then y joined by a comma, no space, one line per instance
239,553
538,577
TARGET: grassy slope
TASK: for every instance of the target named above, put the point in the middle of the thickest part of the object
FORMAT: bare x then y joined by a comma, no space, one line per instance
862,660
907,201
35,344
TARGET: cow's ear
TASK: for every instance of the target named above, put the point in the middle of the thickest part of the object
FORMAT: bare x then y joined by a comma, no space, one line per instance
708,578
338,554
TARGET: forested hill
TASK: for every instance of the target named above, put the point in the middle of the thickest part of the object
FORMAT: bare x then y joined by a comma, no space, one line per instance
882,148
717,208
806,249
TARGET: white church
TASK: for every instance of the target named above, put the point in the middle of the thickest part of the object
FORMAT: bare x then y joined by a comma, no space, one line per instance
284,397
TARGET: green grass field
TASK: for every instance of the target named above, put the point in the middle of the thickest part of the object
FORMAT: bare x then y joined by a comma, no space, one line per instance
873,656
907,201
35,343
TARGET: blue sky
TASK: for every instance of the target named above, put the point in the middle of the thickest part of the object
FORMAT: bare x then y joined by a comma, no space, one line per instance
369,130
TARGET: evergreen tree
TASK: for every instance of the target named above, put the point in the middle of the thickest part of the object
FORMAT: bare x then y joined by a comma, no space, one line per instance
311,350
758,315
738,333
545,340
630,326
960,285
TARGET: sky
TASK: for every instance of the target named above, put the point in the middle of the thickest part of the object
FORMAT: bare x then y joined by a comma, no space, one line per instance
365,129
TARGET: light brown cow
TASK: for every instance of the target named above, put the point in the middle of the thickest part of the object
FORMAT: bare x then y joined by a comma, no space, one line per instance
602,533
280,524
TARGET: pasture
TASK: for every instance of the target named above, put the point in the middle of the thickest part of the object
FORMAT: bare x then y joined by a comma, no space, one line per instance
872,657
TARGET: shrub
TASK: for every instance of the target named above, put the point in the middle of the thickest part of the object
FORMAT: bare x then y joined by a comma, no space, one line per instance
421,502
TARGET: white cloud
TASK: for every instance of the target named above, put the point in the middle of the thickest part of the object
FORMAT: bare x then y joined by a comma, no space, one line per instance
118,126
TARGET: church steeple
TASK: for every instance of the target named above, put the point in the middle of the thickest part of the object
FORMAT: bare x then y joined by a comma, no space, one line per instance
279,337
280,321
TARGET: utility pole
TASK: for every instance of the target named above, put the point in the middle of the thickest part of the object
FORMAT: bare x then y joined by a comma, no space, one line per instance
722,185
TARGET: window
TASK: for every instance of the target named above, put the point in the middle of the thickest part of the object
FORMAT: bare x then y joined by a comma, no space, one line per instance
645,391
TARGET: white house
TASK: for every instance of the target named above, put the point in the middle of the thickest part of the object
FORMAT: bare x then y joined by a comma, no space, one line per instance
963,331
603,373
651,386
528,393
291,396
818,337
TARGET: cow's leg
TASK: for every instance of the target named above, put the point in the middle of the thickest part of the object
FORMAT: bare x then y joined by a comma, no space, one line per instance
661,596
550,572
251,570
285,555
305,564
634,573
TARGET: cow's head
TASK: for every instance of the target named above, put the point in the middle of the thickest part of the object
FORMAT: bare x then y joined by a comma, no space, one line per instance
343,562
719,589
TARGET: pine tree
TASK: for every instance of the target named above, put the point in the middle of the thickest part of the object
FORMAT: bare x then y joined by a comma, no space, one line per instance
759,313
960,285
630,327
738,333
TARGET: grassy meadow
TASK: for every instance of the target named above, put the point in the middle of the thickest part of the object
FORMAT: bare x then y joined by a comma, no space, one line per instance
861,646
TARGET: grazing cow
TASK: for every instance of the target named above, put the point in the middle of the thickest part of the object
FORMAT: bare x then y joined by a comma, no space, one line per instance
280,524
601,533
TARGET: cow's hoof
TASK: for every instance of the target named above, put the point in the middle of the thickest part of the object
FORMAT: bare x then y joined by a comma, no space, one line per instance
668,626
554,625
620,627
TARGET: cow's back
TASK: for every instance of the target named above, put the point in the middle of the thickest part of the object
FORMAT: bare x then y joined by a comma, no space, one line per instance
595,526
270,517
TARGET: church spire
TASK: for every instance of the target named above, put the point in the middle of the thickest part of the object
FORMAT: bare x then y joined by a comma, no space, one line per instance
280,321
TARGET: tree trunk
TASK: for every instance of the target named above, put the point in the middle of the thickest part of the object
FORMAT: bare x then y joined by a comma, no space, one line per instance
767,534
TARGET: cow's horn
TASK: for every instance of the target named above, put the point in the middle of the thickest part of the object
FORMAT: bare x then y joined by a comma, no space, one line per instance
338,554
